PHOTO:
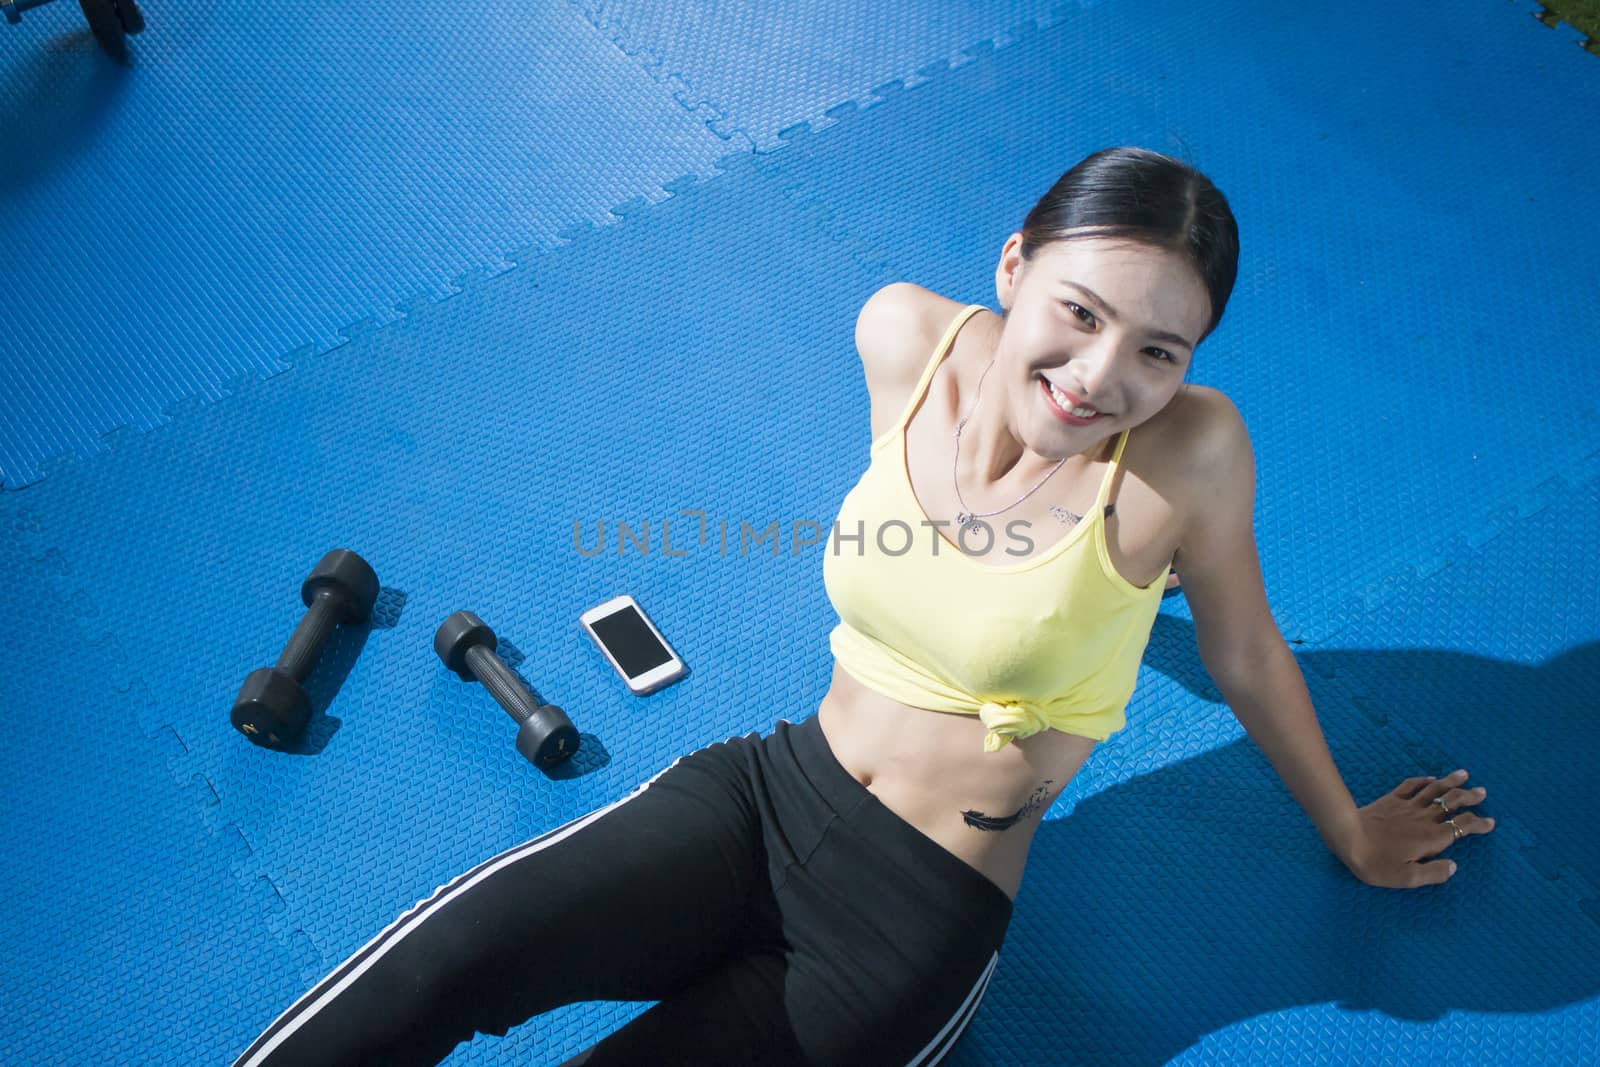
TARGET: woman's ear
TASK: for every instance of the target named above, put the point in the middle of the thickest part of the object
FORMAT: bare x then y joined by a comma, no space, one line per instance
1008,272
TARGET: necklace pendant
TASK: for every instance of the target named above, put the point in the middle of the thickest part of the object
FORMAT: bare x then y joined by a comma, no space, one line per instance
963,517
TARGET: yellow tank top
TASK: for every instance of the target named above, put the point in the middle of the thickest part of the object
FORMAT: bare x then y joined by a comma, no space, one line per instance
1050,642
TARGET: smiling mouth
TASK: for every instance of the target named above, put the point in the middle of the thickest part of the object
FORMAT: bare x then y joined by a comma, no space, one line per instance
1065,414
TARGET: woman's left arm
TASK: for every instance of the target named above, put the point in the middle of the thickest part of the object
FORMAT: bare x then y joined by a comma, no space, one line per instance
1383,843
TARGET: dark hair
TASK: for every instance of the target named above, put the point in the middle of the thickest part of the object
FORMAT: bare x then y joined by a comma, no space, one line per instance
1143,196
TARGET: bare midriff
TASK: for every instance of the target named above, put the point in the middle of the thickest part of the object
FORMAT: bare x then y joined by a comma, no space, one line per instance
930,769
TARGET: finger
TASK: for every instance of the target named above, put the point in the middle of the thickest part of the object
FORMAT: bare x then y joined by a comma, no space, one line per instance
1458,799
1473,823
1467,822
1408,787
1434,873
1440,786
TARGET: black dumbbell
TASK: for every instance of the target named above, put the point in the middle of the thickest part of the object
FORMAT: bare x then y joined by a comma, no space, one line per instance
467,646
272,708
109,20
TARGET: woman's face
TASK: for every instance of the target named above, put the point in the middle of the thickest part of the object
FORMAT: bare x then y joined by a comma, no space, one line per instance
1109,321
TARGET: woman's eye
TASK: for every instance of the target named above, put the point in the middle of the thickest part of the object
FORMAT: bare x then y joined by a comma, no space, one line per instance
1160,353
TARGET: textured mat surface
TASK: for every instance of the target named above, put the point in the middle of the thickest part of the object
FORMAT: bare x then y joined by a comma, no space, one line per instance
128,925
756,69
1432,559
246,188
411,775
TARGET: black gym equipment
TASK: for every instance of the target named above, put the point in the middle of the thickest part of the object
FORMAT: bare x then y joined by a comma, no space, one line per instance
272,708
109,20
467,646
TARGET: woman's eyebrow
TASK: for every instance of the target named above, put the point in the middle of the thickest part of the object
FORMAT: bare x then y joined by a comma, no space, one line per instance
1111,312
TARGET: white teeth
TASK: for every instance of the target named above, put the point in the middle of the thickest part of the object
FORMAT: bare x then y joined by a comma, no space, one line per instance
1061,401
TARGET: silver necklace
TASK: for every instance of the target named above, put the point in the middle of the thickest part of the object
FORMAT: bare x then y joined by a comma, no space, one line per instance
963,517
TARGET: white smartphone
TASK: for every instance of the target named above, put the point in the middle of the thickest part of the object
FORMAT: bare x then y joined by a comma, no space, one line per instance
632,644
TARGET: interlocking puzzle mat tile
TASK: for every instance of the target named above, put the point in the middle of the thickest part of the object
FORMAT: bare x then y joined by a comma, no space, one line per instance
1180,908
127,936
754,69
252,182
1491,663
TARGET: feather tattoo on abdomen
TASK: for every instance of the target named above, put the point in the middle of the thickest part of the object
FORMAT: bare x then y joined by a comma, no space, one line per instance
979,821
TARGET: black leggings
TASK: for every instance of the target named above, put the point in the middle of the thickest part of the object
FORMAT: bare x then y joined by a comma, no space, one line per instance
775,908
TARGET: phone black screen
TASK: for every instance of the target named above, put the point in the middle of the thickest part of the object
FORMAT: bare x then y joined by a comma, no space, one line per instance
631,641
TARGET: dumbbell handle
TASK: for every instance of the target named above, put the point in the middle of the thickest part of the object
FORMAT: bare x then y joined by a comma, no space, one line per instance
305,644
496,677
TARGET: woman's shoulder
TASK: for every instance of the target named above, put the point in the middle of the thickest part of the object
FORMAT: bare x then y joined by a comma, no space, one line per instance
1195,414
897,329
1183,448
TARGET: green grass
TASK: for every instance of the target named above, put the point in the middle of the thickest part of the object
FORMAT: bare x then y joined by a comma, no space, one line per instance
1583,15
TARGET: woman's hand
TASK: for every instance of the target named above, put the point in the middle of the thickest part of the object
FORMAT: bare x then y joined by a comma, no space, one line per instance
1401,829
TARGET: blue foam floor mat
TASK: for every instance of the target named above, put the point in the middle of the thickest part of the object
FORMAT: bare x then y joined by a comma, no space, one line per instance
456,510
239,195
128,923
456,446
755,70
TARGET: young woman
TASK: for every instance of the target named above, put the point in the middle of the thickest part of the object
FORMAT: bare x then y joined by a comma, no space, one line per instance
837,892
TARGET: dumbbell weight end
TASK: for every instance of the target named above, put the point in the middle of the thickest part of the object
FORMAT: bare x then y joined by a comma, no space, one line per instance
272,709
14,8
547,737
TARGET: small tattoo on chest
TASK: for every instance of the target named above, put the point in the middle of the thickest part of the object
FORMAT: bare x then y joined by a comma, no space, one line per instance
1064,515
979,821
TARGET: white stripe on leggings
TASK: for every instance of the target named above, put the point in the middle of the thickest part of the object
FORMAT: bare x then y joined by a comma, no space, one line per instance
946,1039
254,1057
